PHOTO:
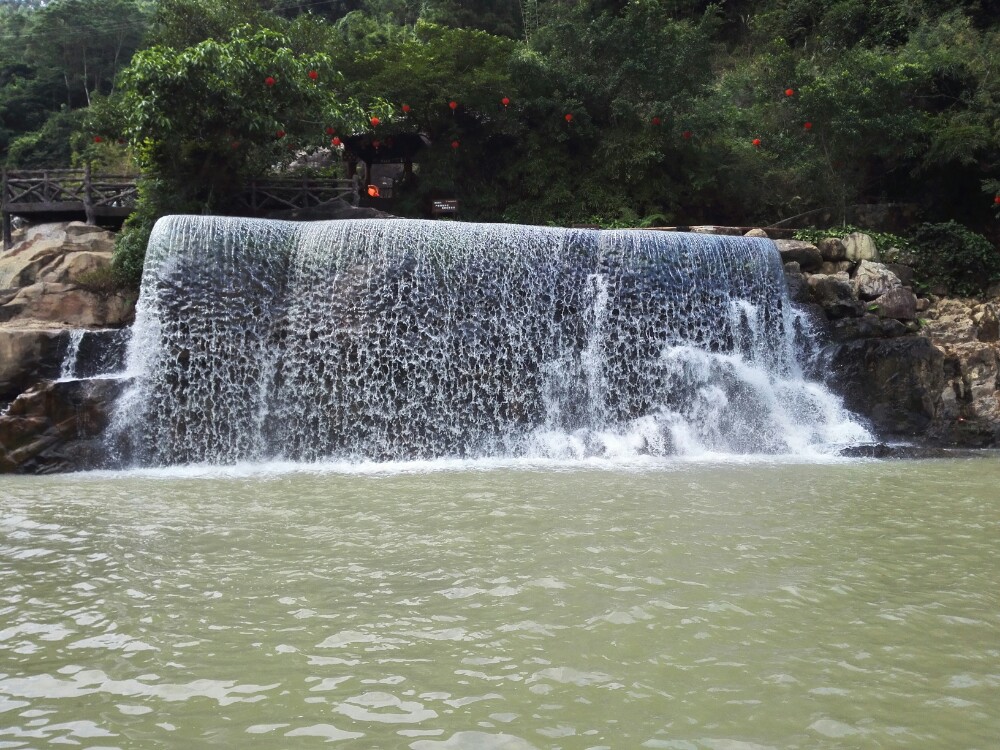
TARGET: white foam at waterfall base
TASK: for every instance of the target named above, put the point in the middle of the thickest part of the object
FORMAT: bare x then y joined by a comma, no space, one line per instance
395,343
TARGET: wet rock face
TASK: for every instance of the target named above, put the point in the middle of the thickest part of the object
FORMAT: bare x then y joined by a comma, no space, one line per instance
896,383
57,426
28,355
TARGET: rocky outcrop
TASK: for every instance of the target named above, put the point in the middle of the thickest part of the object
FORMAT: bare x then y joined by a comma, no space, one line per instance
921,368
895,382
57,426
57,275
27,356
968,334
55,279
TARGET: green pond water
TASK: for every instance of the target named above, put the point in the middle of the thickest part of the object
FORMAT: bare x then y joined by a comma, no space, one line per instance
683,606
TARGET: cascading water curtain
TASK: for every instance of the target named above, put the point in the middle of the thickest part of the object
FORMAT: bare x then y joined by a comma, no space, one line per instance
399,339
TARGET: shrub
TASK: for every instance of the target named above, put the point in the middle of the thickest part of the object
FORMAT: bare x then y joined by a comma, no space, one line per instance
951,256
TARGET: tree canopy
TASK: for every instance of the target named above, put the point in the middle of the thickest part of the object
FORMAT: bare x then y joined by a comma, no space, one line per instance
681,111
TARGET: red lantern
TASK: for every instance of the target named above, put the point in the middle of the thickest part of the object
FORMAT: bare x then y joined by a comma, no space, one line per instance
330,131
98,139
313,75
808,126
455,143
453,104
375,122
280,134
789,92
335,142
568,117
376,144
505,101
656,120
686,135
406,109
269,81
756,142
996,199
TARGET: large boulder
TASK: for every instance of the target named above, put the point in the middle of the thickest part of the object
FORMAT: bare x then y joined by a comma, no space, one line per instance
28,355
898,303
68,305
872,280
835,295
806,254
832,249
859,246
59,253
897,383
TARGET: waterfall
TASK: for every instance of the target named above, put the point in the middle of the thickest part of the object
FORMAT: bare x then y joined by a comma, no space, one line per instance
399,339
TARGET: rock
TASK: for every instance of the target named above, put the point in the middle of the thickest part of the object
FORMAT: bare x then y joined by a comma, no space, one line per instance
756,232
949,321
987,322
806,254
58,426
68,305
922,304
832,249
859,247
903,272
897,383
715,229
872,280
798,287
868,326
831,268
899,303
57,253
27,356
835,295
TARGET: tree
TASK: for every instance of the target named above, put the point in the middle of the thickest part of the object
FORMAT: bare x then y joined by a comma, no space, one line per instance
262,101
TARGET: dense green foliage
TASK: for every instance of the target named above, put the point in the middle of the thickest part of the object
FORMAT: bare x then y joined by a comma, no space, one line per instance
678,111
950,256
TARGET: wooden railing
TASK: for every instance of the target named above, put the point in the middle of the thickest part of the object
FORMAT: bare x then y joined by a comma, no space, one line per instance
286,193
77,192
62,192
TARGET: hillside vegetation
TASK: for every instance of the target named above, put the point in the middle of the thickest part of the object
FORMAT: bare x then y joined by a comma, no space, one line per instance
569,111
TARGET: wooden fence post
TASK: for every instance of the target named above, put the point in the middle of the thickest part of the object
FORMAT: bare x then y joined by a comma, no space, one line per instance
88,198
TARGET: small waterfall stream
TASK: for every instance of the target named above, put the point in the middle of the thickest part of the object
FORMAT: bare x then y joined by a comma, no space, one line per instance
399,339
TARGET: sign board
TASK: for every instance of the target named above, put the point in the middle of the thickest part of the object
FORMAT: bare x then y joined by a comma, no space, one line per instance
444,207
